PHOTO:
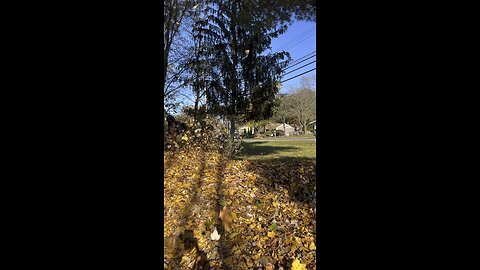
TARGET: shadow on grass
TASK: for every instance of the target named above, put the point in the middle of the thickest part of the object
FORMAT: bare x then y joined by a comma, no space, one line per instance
296,174
262,148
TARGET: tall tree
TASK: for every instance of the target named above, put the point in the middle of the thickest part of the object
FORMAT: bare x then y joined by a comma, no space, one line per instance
304,10
243,80
178,44
299,105
175,45
282,110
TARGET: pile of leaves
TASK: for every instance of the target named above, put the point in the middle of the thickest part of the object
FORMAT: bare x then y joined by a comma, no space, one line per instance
208,134
221,213
184,134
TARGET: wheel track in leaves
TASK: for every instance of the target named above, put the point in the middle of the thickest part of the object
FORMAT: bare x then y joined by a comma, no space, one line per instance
183,236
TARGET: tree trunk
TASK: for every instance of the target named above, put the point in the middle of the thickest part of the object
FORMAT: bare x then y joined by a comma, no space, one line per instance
232,126
195,112
234,70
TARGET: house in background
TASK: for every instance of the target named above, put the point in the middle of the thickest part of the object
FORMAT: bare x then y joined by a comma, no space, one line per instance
275,128
246,130
314,125
281,129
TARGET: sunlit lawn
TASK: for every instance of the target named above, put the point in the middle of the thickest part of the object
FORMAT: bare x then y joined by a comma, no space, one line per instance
253,150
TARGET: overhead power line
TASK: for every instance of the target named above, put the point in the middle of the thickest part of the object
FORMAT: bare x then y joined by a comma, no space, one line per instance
295,39
298,75
299,42
300,62
295,61
299,67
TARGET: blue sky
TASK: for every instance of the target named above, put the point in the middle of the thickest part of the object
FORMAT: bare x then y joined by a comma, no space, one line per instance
299,40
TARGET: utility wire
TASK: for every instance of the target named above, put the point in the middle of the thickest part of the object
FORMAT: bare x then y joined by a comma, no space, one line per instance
295,39
295,44
299,68
296,61
297,75
300,62
299,42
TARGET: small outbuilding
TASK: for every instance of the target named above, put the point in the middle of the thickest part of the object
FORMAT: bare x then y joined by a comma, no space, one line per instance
314,126
281,129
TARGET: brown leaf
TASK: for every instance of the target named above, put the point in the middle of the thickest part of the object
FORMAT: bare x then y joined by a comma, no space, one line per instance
269,266
225,217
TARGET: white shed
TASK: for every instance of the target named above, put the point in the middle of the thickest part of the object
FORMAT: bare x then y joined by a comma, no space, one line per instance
289,130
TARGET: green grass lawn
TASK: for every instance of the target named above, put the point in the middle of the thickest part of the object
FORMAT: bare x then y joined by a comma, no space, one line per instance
303,136
259,150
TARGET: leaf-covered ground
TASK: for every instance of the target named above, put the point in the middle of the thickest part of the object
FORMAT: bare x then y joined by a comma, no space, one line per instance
263,212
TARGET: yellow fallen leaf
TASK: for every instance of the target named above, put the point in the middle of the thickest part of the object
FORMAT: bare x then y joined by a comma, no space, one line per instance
312,246
296,265
298,241
270,234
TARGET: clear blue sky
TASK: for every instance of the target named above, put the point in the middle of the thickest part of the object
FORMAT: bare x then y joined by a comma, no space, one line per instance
299,40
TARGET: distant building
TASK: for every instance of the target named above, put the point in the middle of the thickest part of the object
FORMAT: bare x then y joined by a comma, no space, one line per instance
283,128
314,124
246,130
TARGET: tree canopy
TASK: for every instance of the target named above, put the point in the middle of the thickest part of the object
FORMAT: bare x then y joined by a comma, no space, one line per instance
220,54
299,106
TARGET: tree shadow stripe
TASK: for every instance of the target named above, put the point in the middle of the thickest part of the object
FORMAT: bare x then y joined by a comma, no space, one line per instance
186,241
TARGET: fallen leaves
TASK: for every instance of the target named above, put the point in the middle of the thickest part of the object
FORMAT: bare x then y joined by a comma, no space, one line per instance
267,213
225,217
273,227
296,265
